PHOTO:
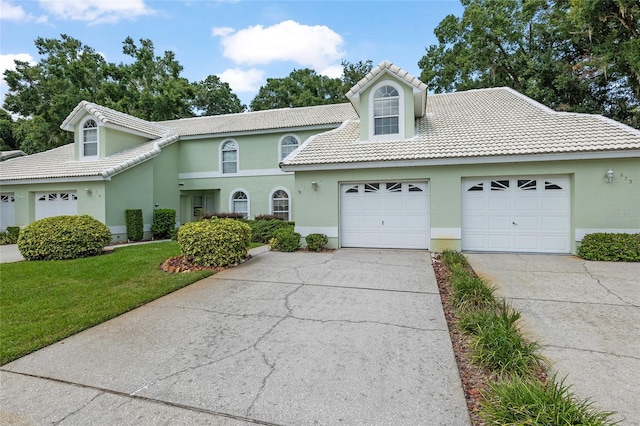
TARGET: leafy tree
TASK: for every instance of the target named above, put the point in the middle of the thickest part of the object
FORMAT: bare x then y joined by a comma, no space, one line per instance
562,53
302,87
214,97
50,89
353,73
156,91
8,140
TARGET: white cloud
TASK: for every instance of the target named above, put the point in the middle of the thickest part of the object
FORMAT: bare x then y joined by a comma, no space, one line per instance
243,80
333,71
10,12
96,11
7,61
318,46
221,31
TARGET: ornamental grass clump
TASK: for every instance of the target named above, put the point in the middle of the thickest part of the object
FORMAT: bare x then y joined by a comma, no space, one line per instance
527,401
63,237
499,346
215,242
470,291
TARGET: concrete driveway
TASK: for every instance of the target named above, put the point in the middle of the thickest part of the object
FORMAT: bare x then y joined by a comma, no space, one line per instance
350,337
587,316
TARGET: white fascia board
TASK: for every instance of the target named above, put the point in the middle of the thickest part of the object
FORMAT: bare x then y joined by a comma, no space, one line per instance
54,180
595,155
260,132
241,173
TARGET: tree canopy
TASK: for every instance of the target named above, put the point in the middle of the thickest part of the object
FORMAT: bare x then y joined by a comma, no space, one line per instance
305,87
149,87
572,55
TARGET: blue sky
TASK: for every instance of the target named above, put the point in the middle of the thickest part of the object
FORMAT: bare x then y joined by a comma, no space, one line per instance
243,42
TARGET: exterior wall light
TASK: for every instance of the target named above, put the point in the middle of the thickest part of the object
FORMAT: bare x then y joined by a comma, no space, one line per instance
87,191
314,185
609,176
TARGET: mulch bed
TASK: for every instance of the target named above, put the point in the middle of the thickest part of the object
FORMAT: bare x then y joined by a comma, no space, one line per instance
180,263
474,379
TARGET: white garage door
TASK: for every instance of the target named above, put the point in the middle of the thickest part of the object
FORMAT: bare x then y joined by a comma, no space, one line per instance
516,214
385,215
56,204
7,211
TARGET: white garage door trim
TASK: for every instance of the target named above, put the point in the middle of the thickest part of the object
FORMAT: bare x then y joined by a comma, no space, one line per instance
390,214
56,204
7,210
516,214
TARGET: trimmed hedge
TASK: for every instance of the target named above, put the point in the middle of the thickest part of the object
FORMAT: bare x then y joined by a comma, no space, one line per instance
164,222
262,230
610,247
215,242
316,242
63,237
10,235
222,215
285,239
135,227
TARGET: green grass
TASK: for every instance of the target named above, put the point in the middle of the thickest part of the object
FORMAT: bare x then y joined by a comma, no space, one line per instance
45,301
519,401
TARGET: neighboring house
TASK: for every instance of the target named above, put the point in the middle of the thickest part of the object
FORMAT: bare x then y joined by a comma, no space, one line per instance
8,155
485,170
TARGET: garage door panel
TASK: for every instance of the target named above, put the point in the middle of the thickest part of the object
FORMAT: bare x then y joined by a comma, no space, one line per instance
499,223
499,204
50,204
385,215
521,214
7,211
499,242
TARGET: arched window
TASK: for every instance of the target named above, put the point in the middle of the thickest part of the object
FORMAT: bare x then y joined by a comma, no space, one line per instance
287,145
90,139
230,157
386,111
280,204
240,203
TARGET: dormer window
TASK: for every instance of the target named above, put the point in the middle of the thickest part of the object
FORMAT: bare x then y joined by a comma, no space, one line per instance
90,139
386,111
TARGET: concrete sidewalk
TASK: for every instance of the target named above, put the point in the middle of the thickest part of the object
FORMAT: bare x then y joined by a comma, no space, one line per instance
354,337
587,316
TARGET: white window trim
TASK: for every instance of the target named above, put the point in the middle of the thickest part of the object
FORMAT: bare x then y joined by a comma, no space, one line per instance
280,158
81,148
232,193
401,112
220,165
281,188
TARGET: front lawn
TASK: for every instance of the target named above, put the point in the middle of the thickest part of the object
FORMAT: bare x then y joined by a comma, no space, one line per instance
43,302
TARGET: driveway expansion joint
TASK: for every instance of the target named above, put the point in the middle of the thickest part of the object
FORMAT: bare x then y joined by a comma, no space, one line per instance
593,351
369,322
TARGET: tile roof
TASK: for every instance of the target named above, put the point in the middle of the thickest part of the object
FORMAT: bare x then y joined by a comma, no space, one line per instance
108,116
59,163
262,120
474,123
7,155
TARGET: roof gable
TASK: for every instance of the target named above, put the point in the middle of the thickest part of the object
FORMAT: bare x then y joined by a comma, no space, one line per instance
419,89
115,119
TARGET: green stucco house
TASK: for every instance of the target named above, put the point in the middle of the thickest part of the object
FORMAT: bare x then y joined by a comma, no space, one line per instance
481,170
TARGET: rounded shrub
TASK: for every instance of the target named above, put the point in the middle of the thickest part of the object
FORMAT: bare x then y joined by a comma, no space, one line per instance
215,242
263,229
285,239
63,237
316,242
611,247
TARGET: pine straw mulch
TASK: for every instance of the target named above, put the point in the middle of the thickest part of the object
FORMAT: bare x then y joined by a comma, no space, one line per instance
474,379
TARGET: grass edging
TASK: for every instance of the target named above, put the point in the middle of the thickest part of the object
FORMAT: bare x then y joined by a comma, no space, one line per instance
510,384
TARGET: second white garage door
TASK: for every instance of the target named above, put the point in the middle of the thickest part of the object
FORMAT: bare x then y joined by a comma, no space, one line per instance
516,214
56,204
384,215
